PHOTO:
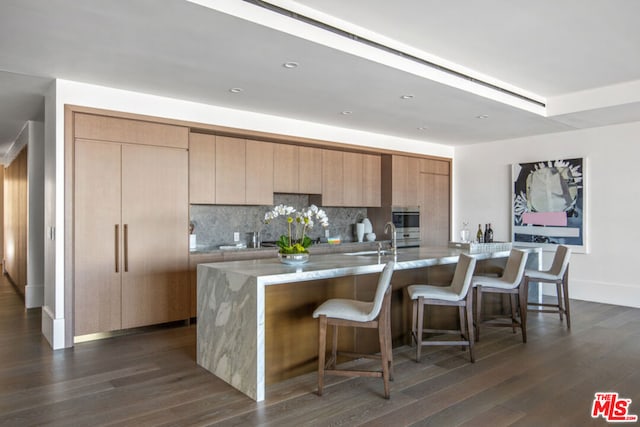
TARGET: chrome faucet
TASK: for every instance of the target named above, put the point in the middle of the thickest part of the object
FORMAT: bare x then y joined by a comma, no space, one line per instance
391,226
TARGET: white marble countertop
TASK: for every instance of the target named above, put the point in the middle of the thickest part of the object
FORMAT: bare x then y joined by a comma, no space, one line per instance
271,271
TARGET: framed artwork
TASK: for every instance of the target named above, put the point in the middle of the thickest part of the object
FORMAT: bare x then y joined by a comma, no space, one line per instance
548,204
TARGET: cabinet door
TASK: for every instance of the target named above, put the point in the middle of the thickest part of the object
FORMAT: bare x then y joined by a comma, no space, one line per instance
285,168
310,170
440,167
202,168
352,179
97,237
155,280
332,178
405,174
371,180
434,209
230,170
259,173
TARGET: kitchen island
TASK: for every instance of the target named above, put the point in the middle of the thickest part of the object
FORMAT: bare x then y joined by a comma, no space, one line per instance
254,317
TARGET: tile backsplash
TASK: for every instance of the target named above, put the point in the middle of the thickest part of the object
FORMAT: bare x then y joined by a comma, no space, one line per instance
215,224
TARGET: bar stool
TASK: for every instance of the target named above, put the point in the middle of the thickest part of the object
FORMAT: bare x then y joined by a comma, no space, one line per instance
360,314
558,274
456,294
511,282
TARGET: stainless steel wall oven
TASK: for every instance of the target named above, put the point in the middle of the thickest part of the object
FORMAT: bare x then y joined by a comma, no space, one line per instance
407,222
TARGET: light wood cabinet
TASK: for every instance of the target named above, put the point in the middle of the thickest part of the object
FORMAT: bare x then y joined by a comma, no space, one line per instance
435,196
371,180
309,170
130,235
404,181
440,167
202,168
259,173
350,179
285,171
332,178
297,169
230,170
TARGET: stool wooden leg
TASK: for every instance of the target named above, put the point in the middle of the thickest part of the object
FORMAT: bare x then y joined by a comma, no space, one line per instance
522,298
334,348
462,322
560,298
478,290
414,331
514,322
420,321
469,319
382,332
322,345
389,347
565,289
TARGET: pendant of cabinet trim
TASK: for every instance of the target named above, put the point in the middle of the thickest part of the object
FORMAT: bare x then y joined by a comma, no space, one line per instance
130,230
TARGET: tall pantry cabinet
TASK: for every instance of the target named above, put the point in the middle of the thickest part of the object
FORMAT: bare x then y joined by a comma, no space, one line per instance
130,224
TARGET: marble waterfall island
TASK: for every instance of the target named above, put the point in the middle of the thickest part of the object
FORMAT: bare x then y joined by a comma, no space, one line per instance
254,317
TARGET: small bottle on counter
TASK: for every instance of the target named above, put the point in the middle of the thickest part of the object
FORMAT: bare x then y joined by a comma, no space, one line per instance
479,235
490,234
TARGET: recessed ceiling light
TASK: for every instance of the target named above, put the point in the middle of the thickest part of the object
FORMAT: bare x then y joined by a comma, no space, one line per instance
423,128
406,97
346,112
482,116
236,90
290,64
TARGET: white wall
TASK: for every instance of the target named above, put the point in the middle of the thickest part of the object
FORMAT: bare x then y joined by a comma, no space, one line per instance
34,291
62,92
606,273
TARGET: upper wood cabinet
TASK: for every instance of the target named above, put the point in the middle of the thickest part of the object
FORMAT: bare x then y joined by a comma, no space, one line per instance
259,173
297,169
401,178
116,129
202,170
350,179
371,180
439,167
230,171
332,178
309,170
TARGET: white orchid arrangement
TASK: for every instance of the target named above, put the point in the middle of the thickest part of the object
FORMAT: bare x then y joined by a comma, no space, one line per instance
298,222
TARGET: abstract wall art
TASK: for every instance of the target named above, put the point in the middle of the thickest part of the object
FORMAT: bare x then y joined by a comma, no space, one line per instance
549,204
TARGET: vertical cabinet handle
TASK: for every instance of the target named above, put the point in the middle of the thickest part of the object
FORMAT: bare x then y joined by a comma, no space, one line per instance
117,248
126,248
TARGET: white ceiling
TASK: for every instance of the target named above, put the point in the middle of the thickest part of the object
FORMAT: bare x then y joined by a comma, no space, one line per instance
581,57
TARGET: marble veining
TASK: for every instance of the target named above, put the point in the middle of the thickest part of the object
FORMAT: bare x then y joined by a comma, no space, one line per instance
231,298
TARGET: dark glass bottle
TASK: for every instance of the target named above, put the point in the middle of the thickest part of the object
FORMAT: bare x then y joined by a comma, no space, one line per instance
479,234
486,233
490,234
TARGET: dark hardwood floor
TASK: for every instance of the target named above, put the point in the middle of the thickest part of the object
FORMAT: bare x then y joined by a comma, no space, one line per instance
152,379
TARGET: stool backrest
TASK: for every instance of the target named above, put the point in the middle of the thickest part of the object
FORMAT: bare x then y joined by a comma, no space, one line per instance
560,261
463,274
384,281
514,270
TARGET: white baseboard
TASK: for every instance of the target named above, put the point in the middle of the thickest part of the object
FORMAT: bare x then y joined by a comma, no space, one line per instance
627,295
34,295
52,329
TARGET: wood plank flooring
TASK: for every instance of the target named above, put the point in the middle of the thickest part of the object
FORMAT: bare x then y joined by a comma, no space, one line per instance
152,379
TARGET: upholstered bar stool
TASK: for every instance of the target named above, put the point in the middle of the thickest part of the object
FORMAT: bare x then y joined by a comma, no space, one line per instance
456,294
558,274
360,314
511,282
